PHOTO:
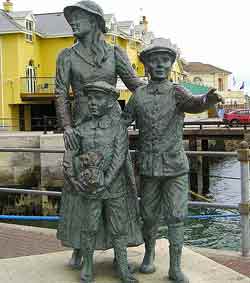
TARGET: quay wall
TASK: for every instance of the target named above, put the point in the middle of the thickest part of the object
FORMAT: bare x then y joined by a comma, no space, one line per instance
51,163
39,171
20,168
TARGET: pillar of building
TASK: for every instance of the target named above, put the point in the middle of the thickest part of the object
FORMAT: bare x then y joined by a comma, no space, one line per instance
27,117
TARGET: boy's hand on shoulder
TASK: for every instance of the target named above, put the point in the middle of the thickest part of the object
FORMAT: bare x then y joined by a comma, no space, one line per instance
179,89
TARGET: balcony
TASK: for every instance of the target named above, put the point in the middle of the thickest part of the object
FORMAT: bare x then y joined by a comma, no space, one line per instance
43,88
37,88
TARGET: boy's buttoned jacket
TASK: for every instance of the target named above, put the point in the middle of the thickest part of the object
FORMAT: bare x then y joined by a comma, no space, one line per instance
158,109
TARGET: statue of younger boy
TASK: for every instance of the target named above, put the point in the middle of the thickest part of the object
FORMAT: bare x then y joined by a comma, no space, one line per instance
100,178
158,109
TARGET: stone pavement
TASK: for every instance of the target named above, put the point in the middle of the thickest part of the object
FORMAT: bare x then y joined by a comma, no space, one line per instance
17,240
230,259
17,243
52,268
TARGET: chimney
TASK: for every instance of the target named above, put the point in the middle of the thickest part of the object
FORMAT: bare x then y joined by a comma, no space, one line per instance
8,6
145,23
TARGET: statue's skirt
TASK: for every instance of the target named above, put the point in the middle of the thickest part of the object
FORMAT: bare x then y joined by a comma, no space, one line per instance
72,216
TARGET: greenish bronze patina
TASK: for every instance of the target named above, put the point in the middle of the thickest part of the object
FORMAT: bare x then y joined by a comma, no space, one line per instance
97,173
158,109
91,59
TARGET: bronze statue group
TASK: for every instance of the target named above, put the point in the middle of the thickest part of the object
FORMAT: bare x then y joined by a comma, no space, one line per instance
99,205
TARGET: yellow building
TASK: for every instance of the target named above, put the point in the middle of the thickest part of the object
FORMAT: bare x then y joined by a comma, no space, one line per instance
29,45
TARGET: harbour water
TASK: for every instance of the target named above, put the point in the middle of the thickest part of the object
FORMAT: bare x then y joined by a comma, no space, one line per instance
217,233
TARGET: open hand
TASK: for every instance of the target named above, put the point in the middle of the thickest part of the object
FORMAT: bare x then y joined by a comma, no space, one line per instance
213,97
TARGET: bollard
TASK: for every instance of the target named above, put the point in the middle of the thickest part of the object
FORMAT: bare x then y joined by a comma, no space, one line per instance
243,157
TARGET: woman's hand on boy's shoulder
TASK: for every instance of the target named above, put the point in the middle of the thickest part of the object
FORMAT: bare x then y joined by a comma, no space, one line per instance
70,139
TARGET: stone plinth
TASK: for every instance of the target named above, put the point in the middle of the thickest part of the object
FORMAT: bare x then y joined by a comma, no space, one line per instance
51,268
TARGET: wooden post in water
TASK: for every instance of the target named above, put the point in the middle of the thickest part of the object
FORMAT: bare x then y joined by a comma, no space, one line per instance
193,177
244,207
205,168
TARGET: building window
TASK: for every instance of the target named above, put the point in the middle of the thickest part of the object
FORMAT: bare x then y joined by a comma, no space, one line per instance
132,44
220,84
29,31
113,39
30,78
29,37
197,80
29,25
113,27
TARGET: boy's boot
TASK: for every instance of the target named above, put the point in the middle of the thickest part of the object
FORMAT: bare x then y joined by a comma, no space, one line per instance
147,265
122,261
176,239
87,266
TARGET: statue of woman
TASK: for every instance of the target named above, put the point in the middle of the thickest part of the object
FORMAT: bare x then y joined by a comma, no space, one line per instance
90,59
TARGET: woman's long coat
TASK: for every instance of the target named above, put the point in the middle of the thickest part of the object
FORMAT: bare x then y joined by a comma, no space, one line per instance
73,71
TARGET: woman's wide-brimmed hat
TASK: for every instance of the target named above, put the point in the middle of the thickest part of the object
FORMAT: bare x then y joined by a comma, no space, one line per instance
87,6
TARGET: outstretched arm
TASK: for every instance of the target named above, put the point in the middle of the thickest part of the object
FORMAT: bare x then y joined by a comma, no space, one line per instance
187,102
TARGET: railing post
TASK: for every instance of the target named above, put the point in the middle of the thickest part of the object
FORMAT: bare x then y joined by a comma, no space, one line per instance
244,207
45,124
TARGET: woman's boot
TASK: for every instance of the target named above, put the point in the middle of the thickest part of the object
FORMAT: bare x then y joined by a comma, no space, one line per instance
76,259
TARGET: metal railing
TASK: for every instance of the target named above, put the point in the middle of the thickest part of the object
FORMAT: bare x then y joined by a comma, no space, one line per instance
243,207
10,123
203,124
44,123
37,85
49,123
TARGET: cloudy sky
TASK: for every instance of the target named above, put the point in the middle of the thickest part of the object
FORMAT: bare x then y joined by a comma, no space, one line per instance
207,31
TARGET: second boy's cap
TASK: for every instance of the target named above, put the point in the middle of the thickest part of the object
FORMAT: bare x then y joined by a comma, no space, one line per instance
102,86
158,45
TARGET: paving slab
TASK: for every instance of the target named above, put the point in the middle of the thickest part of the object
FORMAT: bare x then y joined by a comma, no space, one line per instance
18,241
52,268
231,259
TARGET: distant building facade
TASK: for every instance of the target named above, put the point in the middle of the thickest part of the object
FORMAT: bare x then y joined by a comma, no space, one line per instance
212,76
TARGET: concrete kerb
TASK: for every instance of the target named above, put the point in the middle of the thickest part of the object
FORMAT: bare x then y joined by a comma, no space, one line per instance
52,268
38,230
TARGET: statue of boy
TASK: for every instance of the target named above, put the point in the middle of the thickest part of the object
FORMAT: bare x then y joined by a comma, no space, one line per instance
158,109
100,177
